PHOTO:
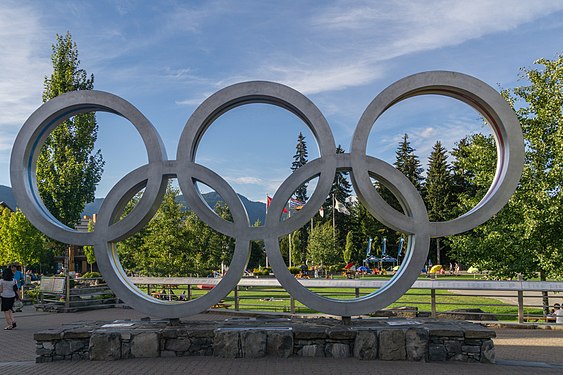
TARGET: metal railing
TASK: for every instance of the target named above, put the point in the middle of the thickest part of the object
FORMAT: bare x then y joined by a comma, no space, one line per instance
521,300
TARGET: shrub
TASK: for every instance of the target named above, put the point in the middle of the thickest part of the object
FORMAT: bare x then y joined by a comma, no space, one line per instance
91,275
294,270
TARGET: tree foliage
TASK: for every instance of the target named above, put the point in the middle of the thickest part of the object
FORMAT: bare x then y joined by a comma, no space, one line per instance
19,240
176,242
68,169
300,159
89,250
438,188
320,248
525,237
349,248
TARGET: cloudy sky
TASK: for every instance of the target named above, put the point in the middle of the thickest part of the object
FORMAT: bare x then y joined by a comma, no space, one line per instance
166,57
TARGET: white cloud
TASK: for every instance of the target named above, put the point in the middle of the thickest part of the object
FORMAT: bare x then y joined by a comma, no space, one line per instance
23,69
427,132
313,80
354,40
248,180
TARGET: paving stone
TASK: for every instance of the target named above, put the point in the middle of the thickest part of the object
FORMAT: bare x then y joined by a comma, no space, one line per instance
445,332
337,350
392,345
62,347
309,333
279,343
342,334
416,344
105,346
78,333
312,351
365,345
479,333
253,343
145,345
48,335
437,352
453,347
470,349
227,344
180,344
488,352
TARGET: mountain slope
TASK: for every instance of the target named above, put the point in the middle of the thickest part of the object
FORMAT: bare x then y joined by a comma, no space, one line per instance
255,210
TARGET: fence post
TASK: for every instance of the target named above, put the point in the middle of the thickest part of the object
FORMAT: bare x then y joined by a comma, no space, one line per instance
433,302
67,290
357,292
236,299
520,302
292,305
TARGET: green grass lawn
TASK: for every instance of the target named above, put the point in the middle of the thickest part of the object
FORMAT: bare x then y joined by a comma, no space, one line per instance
278,300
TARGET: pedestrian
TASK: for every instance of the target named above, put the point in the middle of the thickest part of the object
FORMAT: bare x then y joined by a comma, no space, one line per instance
18,275
558,313
8,292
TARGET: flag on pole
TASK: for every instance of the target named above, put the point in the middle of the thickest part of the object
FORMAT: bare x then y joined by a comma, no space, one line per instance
340,207
269,200
368,252
384,247
296,204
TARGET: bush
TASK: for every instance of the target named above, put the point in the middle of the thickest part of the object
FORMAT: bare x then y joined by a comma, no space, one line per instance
262,272
91,275
334,268
33,294
294,270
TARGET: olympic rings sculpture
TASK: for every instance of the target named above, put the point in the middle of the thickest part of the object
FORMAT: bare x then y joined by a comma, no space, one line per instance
153,178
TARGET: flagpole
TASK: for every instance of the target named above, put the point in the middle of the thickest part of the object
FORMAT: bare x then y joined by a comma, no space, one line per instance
267,215
289,239
311,225
333,216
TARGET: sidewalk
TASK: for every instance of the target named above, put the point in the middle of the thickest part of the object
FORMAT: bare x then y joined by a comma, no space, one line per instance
518,351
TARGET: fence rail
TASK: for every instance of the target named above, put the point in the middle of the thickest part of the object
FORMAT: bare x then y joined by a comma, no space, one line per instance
57,294
530,300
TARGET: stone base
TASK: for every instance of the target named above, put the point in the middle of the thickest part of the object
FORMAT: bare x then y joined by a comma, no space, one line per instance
365,339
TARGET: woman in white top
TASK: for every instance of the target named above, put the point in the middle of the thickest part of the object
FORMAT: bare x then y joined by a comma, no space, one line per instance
8,296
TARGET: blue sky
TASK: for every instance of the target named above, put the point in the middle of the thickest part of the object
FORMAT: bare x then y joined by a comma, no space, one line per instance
166,57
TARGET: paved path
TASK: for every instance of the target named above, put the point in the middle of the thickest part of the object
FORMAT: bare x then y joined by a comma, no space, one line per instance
519,351
509,296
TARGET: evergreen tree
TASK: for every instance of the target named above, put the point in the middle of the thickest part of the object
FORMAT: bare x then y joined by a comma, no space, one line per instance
68,170
299,160
408,163
438,187
341,190
349,248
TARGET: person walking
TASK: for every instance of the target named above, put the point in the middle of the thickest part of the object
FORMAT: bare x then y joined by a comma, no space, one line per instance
8,292
558,313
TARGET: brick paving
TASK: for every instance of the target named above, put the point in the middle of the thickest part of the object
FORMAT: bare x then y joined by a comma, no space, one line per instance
519,351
